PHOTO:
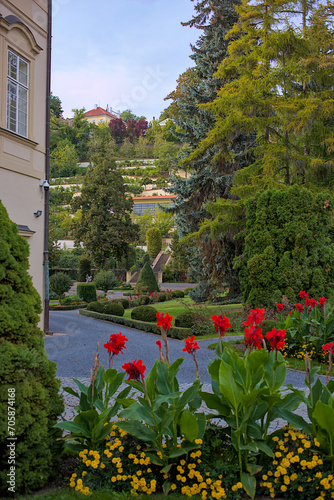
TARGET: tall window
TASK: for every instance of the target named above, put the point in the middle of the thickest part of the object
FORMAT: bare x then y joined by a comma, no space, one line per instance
17,94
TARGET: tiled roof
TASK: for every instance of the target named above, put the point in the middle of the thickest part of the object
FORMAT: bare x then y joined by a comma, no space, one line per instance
98,112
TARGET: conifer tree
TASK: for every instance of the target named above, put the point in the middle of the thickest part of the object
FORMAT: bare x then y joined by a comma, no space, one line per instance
29,399
209,175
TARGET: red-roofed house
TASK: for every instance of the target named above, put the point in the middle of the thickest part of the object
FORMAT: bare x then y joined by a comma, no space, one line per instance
100,115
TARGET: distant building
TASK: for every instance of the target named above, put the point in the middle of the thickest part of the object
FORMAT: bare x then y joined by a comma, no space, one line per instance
23,92
100,115
150,203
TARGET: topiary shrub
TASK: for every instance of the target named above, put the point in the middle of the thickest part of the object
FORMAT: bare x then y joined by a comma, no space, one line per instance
84,269
60,283
87,291
154,241
96,306
105,280
178,294
184,320
146,280
144,313
27,376
162,297
125,303
114,308
146,258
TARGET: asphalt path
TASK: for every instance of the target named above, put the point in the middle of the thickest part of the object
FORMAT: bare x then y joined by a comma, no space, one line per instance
73,345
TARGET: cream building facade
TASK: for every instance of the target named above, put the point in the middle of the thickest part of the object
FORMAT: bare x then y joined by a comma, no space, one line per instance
23,91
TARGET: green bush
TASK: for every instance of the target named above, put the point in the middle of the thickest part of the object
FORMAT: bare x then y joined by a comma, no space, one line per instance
96,306
178,294
114,308
146,258
144,313
154,241
162,297
184,320
146,280
105,280
87,291
125,303
84,269
287,246
25,372
60,283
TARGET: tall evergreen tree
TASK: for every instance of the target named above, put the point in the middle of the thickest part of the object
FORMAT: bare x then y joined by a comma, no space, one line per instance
210,176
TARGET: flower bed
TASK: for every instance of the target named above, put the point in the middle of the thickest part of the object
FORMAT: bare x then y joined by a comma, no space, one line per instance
154,438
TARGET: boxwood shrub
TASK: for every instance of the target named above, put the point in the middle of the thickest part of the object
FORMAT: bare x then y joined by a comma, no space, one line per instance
184,320
144,313
114,308
87,291
96,306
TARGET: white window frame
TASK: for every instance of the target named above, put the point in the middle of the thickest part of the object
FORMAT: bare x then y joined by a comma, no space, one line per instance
17,113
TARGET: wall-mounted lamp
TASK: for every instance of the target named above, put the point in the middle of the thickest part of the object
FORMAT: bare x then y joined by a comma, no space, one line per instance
38,213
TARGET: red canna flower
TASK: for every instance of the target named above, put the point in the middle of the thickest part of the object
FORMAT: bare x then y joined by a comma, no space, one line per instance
158,342
165,321
255,317
222,323
135,369
322,301
276,339
116,344
279,307
253,337
303,295
328,348
299,307
311,302
191,346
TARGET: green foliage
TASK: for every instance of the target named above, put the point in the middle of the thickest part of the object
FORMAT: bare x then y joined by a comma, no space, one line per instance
146,280
84,268
105,280
105,224
146,258
60,283
164,416
27,376
144,313
91,426
87,291
154,241
184,320
64,159
125,303
287,246
96,306
113,308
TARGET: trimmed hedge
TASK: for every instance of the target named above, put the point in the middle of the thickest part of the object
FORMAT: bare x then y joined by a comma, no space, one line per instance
96,306
175,333
184,320
87,291
69,307
114,308
144,313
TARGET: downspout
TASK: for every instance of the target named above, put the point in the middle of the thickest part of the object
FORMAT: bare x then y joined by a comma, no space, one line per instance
47,172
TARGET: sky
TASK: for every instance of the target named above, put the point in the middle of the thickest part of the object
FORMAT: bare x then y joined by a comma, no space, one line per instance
126,54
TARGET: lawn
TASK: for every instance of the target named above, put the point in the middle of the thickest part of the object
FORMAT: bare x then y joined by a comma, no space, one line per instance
177,306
